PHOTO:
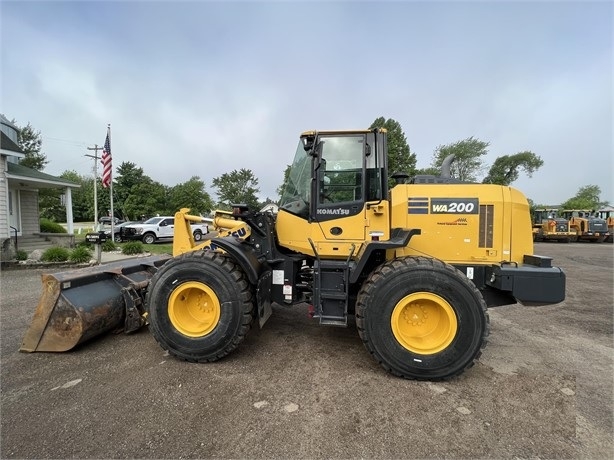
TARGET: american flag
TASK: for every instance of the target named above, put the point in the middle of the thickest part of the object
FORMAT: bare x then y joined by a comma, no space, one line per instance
106,161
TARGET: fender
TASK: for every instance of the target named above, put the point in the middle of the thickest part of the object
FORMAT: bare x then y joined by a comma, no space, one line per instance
243,254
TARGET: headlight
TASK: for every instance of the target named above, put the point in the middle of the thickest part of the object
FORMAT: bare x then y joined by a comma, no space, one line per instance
139,230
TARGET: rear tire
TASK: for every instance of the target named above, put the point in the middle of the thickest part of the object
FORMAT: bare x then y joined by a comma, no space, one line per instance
198,235
200,306
422,319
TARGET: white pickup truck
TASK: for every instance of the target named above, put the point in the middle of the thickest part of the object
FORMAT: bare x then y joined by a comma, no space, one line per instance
160,228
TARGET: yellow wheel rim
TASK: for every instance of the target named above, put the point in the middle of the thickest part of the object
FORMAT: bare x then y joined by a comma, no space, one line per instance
424,323
194,309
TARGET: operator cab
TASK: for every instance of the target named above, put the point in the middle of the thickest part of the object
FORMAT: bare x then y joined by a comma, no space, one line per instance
334,173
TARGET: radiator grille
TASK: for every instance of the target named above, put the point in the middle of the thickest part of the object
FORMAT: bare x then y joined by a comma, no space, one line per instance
487,212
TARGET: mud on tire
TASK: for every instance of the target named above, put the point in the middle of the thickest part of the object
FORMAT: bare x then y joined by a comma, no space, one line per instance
185,287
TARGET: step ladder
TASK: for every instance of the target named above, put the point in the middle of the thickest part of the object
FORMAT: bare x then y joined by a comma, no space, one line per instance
331,286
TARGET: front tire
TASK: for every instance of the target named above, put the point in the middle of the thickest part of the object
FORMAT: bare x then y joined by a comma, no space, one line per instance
200,306
421,318
149,238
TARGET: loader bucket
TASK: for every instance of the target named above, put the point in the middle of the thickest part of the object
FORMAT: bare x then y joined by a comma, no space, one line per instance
77,305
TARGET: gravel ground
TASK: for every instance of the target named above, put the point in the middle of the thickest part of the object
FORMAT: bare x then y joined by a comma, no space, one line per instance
543,388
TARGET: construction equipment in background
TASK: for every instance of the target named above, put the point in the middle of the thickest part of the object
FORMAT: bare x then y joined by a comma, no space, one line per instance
607,214
548,226
587,225
416,265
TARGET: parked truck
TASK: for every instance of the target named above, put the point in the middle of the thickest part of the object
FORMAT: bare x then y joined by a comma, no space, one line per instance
161,228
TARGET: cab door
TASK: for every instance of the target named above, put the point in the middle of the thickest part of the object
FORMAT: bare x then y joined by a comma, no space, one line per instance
339,187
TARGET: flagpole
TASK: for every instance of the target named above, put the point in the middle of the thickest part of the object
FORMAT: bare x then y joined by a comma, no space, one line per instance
111,192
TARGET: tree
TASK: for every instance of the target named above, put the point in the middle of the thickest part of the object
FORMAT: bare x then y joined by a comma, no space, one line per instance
191,194
128,176
431,171
30,143
467,162
237,187
147,199
280,189
505,169
588,197
51,207
400,158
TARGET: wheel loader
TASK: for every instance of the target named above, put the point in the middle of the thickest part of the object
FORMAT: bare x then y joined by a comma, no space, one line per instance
587,225
415,267
548,226
607,214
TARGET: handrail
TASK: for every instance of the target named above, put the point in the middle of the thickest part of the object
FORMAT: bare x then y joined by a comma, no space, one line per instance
16,248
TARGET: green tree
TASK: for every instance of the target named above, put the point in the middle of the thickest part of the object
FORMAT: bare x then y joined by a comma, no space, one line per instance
468,153
51,207
136,195
587,197
191,194
431,171
267,201
280,189
237,187
148,198
505,169
400,158
30,142
128,175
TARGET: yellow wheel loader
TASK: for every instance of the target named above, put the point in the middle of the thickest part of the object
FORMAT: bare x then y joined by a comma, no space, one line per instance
607,214
417,266
587,225
548,226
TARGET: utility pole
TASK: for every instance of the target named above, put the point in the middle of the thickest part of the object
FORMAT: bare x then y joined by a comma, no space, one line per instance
95,157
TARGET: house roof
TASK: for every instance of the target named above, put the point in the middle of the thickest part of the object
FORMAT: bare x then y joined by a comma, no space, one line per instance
34,177
9,147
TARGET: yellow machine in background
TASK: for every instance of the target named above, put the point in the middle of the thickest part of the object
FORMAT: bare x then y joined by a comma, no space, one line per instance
607,214
587,225
417,266
548,226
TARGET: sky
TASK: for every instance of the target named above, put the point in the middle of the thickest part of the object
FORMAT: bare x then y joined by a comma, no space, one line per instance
202,88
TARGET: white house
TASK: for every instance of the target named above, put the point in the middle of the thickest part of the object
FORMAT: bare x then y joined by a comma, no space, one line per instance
19,186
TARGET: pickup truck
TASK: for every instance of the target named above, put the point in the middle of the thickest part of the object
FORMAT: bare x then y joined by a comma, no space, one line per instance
160,228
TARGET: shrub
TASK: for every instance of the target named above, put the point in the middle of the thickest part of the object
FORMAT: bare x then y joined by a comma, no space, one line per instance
22,255
84,244
55,254
109,246
133,247
80,254
48,226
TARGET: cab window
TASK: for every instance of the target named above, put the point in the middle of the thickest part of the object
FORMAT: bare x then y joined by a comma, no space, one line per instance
341,167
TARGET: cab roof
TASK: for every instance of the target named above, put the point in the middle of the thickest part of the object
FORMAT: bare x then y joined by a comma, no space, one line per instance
342,131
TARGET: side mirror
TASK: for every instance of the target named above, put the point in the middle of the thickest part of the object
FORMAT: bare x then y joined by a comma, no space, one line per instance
308,143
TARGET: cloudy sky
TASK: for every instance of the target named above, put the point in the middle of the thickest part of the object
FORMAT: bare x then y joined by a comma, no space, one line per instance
203,88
